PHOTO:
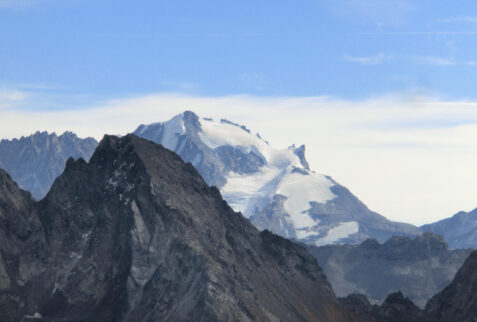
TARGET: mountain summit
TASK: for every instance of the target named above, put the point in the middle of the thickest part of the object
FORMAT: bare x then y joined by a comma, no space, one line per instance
275,189
137,235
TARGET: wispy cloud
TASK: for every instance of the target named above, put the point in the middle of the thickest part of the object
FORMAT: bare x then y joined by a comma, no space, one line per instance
460,19
180,86
212,35
18,3
433,60
10,98
425,60
22,4
378,12
414,33
254,80
443,61
369,60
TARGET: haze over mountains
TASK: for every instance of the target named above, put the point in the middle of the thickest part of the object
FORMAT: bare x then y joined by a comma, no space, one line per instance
275,189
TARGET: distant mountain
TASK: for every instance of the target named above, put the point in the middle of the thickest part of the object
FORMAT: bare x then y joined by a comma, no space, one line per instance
460,230
137,235
275,189
35,161
418,268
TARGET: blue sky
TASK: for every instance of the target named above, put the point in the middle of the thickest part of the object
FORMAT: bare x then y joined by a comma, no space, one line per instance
344,48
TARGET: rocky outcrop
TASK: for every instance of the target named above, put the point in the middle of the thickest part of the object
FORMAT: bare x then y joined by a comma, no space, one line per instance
137,235
419,268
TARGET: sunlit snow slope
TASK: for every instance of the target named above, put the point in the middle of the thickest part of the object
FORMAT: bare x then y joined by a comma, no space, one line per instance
274,188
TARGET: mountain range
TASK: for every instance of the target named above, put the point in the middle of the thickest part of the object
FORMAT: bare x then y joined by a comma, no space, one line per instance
417,267
136,234
275,188
34,162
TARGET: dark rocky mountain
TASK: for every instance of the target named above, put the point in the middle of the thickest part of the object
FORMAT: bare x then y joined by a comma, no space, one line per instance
35,161
395,308
274,188
460,230
419,268
458,301
137,235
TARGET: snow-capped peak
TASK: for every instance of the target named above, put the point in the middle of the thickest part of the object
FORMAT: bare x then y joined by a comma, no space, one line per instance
283,172
275,188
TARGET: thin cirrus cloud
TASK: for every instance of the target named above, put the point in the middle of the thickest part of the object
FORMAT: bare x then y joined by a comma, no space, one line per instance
10,98
369,60
17,3
378,12
400,145
20,4
255,81
415,33
460,19
427,60
442,61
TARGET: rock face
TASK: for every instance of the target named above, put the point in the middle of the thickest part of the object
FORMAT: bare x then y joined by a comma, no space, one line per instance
137,235
458,301
274,188
458,230
419,268
35,161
